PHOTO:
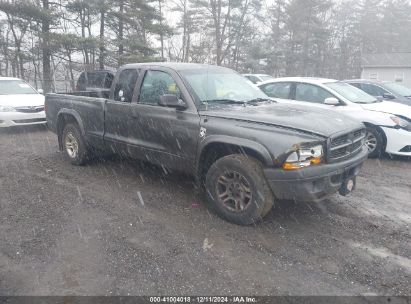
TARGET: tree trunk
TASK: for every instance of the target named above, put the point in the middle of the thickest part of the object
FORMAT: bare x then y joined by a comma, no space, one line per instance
21,63
186,34
45,29
72,85
83,35
120,34
102,28
6,53
161,30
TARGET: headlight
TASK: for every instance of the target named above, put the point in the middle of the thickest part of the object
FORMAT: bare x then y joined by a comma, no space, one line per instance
7,109
400,122
303,157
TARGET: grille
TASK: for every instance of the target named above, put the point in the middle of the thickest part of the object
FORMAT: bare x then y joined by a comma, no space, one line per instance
30,109
345,145
29,120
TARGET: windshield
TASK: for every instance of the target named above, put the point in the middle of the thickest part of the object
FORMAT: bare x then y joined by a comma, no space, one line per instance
398,89
350,92
13,87
220,86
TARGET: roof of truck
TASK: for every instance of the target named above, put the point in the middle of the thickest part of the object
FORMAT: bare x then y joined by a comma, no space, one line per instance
178,66
98,71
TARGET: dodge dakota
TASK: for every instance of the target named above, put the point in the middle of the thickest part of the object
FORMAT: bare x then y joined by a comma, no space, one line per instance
244,149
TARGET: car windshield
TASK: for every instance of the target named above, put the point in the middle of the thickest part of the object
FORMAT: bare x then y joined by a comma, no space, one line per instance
221,86
398,89
15,87
351,93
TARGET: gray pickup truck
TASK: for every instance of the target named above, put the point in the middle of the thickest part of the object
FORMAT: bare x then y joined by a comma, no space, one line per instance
244,149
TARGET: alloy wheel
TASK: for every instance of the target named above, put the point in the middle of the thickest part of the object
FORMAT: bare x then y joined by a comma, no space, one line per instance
234,191
371,142
71,144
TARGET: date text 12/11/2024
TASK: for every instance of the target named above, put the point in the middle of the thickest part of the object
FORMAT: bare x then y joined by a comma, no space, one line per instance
203,299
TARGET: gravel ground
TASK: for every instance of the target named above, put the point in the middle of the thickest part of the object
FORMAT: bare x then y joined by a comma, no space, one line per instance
118,227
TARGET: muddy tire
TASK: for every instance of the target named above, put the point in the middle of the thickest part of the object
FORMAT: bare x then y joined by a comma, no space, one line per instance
74,145
237,190
374,142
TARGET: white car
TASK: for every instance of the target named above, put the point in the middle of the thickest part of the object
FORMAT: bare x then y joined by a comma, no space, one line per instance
258,78
20,103
388,123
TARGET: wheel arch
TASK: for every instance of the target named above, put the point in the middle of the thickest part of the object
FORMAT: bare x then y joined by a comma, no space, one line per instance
380,131
214,148
64,117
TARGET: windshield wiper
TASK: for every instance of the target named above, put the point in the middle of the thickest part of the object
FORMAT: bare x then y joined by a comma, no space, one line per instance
260,99
224,100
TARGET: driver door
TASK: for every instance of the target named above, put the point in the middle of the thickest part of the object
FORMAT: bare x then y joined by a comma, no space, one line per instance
168,136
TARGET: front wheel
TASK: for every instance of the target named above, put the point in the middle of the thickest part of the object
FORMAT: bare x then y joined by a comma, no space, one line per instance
237,190
374,142
74,145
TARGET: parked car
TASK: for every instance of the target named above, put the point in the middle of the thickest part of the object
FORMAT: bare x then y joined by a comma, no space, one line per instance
388,123
94,83
257,78
208,121
20,103
392,91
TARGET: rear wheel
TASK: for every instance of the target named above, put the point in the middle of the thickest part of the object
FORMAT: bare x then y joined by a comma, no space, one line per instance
237,190
74,145
374,142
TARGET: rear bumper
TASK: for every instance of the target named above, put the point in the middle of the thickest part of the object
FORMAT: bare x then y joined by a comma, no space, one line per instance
10,119
398,141
314,183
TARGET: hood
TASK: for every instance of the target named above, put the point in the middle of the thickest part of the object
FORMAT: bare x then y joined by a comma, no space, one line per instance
22,100
302,118
389,107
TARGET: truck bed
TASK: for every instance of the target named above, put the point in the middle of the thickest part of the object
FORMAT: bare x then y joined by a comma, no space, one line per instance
89,111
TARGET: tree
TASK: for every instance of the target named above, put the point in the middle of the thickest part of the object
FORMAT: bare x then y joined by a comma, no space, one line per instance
307,35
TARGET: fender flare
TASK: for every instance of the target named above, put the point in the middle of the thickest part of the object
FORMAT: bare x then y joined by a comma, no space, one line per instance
73,113
235,141
77,118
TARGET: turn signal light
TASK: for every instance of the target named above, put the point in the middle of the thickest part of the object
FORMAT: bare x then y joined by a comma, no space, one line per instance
299,165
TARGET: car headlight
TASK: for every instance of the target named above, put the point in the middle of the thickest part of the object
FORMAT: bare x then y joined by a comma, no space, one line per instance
303,157
400,122
7,109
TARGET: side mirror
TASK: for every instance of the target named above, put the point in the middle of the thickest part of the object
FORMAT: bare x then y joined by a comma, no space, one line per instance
172,101
40,91
388,96
331,101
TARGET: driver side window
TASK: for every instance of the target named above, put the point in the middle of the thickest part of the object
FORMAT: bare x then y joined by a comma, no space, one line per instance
155,85
311,93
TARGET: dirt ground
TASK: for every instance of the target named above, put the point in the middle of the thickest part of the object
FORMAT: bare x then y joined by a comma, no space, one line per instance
118,227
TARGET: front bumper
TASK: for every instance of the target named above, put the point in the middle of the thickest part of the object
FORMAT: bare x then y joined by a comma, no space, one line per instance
398,141
10,119
314,183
